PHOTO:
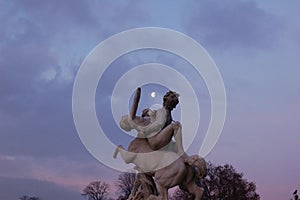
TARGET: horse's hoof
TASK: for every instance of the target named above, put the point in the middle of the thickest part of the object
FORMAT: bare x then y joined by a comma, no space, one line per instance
116,151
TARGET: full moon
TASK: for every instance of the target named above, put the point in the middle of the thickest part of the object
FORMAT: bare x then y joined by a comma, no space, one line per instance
153,94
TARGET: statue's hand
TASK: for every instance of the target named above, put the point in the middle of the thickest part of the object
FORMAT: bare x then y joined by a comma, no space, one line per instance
145,112
141,131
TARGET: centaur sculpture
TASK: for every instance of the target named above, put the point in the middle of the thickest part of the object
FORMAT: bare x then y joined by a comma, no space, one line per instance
155,154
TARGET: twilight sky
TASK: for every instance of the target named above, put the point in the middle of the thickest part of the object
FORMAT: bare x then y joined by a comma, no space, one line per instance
255,44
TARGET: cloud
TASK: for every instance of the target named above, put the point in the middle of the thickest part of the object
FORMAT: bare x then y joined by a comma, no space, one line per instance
41,47
57,15
64,172
232,24
14,188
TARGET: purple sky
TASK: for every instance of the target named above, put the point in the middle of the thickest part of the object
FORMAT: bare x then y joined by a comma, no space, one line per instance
255,44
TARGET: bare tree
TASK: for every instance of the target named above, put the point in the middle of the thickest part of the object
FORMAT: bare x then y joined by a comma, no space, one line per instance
29,198
125,184
24,197
96,190
34,198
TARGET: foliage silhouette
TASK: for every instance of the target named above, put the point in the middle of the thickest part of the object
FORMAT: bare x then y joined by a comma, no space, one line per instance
222,183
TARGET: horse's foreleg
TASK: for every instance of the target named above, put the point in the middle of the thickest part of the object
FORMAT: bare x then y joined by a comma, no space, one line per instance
128,157
196,190
199,193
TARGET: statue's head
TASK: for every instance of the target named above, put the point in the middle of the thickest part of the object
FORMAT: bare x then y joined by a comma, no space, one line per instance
170,100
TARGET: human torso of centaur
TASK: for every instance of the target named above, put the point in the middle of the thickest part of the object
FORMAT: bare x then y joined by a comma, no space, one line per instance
141,145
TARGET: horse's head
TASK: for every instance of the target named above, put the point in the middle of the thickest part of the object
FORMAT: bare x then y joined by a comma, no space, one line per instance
202,169
199,165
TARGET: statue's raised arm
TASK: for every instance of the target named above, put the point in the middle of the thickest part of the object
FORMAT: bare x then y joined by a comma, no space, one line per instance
135,103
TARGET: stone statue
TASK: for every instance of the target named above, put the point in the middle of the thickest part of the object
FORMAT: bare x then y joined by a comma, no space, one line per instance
156,155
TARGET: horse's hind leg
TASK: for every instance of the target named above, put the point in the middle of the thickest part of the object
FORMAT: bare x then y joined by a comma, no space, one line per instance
196,190
135,187
163,192
153,197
